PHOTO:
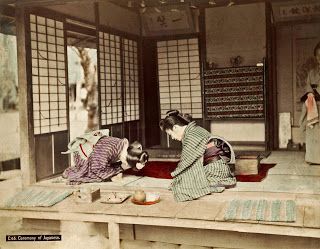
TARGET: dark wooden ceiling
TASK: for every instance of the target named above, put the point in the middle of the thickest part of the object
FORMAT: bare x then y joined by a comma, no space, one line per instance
148,3
192,3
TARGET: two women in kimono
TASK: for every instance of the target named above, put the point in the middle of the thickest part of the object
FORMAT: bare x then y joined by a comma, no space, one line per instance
203,167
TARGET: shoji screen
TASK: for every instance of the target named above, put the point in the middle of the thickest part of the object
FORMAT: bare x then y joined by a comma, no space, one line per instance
179,76
110,78
48,75
119,79
131,80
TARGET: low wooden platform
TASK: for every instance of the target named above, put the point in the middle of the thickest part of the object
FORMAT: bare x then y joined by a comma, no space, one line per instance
206,213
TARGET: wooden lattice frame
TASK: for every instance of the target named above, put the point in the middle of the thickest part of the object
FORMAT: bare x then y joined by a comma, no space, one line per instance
131,80
119,79
179,76
49,77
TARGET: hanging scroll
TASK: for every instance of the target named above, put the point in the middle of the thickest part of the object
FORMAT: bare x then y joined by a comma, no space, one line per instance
236,92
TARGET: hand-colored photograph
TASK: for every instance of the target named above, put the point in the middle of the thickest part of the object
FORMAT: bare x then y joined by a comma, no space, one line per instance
159,124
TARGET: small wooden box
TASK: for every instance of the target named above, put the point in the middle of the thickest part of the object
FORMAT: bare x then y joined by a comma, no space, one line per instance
87,195
247,165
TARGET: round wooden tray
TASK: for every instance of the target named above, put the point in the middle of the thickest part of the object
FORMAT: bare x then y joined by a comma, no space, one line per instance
134,201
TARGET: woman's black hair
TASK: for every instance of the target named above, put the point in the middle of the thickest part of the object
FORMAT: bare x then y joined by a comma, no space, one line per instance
316,48
135,145
174,117
136,155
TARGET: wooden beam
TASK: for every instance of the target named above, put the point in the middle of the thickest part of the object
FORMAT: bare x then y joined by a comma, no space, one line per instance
136,3
27,145
114,235
80,30
41,3
7,2
7,11
243,227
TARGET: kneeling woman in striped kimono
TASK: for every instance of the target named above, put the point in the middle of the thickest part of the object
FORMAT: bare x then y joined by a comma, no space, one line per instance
109,158
203,167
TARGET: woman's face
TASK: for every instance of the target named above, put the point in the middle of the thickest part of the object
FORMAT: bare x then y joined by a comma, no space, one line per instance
176,133
318,56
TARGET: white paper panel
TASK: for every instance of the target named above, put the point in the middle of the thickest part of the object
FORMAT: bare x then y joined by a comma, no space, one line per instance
179,76
49,92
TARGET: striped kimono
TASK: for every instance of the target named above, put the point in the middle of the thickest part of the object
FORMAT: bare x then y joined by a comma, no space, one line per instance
191,179
100,165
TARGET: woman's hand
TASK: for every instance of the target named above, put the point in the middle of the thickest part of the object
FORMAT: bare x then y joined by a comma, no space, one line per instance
140,166
117,178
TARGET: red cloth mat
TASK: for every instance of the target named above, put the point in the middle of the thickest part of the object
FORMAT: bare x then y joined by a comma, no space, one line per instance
160,169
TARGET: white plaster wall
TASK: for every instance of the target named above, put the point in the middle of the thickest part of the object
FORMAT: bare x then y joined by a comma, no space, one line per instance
239,130
237,30
119,18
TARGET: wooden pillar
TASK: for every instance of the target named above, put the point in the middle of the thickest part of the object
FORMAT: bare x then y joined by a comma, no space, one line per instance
203,59
114,235
142,122
27,146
